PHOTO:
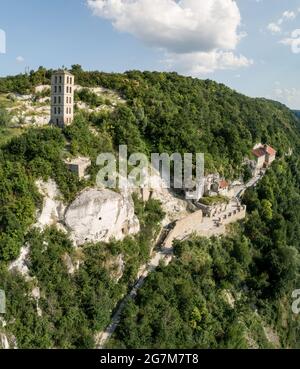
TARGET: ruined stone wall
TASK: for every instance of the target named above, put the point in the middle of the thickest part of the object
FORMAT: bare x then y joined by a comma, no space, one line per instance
204,227
221,228
185,227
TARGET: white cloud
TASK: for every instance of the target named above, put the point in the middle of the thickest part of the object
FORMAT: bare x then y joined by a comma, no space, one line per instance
206,62
203,30
274,28
288,96
293,40
287,15
20,59
287,41
184,26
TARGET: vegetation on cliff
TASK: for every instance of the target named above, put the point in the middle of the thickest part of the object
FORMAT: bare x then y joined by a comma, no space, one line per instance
225,292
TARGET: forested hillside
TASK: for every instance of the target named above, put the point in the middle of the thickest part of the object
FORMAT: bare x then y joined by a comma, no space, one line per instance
226,293
166,112
297,112
189,303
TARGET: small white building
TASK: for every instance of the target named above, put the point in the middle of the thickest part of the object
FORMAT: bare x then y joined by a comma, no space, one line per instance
264,156
221,187
78,166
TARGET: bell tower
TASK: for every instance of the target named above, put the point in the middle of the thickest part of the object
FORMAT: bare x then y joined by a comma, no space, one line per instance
62,98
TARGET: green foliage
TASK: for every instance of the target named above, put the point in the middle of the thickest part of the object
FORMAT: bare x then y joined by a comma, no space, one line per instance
88,97
5,117
25,83
273,227
46,92
170,113
18,199
213,200
74,306
125,131
189,303
85,142
181,306
247,173
31,156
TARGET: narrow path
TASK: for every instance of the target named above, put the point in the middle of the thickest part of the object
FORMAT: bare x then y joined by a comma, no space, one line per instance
164,254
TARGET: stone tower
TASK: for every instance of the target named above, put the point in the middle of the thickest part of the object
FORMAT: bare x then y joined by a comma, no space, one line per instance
62,98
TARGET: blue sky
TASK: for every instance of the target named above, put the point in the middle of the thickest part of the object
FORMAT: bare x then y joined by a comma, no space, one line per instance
246,44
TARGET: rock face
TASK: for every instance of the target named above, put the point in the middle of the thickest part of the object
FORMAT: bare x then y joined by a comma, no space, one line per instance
156,189
100,215
4,341
20,264
53,209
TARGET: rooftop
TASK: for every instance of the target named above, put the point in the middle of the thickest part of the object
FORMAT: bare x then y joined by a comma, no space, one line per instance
270,150
259,152
62,71
223,184
79,161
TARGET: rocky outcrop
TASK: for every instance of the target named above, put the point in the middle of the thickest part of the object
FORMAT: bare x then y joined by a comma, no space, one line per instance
95,215
7,340
115,265
100,215
52,212
21,263
36,294
155,188
71,265
4,341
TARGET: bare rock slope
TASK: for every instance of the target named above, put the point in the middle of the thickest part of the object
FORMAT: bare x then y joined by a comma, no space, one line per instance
100,215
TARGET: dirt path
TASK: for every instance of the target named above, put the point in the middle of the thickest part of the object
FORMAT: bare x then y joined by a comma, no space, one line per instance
163,254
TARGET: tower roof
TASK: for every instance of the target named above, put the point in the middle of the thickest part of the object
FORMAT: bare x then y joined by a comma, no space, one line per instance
62,71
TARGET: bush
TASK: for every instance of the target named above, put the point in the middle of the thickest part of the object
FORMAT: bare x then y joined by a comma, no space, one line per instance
5,117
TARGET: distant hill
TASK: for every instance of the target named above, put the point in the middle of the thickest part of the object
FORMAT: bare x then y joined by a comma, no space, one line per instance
297,112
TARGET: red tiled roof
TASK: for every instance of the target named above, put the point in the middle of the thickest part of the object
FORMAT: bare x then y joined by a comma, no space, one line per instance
270,150
259,152
223,184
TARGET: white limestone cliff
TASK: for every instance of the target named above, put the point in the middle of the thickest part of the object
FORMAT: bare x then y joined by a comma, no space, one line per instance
21,263
155,188
100,215
53,209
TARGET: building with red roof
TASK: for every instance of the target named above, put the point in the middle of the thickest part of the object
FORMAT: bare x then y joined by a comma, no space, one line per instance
264,156
221,187
270,154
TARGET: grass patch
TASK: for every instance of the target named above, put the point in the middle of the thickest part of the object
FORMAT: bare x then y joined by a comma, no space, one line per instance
6,134
214,200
